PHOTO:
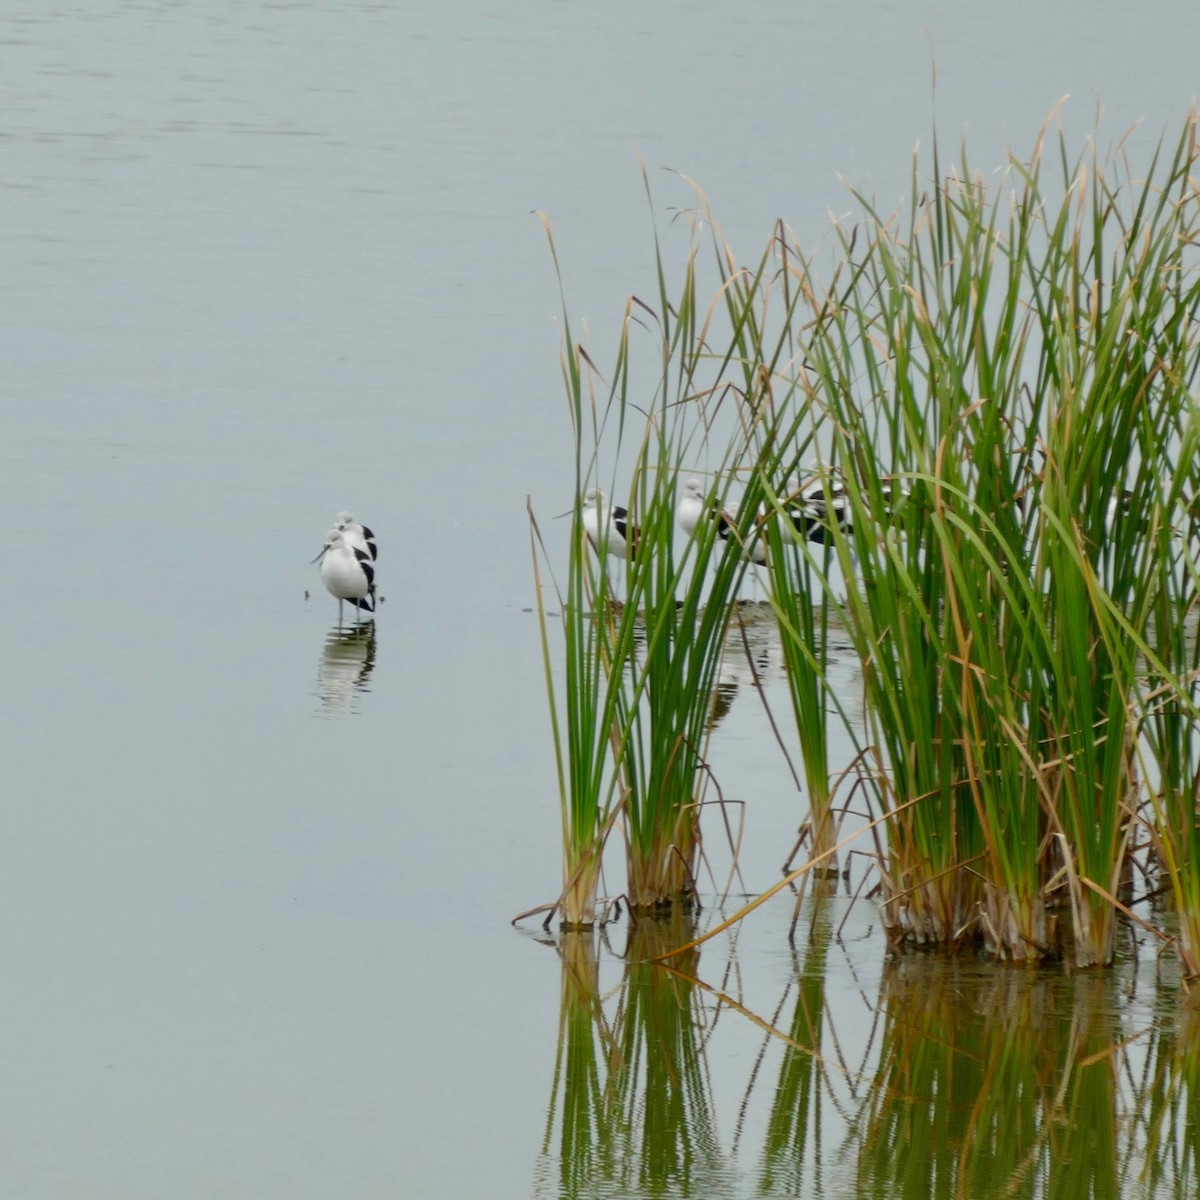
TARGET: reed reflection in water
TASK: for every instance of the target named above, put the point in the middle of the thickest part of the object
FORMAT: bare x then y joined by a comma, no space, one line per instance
963,1080
632,1110
793,1153
346,662
1024,1083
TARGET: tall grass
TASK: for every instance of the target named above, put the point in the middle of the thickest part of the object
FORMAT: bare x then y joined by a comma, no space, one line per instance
1007,381
641,664
998,387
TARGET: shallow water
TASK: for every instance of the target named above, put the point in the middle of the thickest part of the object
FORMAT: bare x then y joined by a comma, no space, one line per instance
262,263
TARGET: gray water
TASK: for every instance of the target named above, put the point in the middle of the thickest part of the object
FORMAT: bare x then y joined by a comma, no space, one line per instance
260,263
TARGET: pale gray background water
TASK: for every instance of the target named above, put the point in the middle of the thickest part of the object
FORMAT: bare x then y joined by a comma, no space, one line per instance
262,262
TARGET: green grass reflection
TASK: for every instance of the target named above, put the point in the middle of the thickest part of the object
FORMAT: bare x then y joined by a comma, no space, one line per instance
953,1079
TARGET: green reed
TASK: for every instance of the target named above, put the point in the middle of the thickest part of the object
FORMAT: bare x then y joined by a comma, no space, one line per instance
581,731
677,609
803,612
1168,716
776,447
777,452
1121,342
892,368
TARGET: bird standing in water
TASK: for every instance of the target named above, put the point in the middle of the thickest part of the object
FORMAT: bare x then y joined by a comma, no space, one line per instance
359,536
347,572
813,515
608,527
691,507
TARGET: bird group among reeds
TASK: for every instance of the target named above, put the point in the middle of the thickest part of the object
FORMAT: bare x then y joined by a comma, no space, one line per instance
812,510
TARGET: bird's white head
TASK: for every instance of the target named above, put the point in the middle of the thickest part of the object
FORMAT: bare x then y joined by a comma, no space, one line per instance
332,538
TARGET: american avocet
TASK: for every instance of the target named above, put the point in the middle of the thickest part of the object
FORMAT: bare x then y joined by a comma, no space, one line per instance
359,536
693,504
347,572
755,548
608,526
813,513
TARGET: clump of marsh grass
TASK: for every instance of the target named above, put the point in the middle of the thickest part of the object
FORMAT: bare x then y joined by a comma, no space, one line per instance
780,426
995,394
1006,384
642,663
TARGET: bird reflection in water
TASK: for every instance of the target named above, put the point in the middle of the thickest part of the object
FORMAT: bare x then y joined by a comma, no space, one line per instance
346,663
751,650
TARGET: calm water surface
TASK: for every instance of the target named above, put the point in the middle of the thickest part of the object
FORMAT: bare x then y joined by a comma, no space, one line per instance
262,263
